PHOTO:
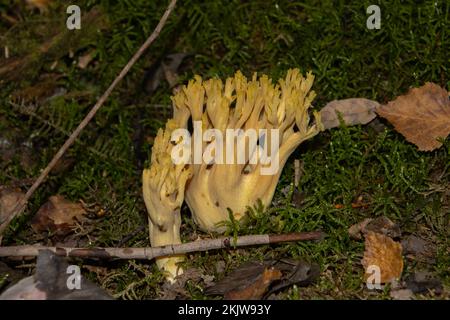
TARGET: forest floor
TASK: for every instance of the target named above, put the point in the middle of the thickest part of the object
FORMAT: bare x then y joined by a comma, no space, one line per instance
45,92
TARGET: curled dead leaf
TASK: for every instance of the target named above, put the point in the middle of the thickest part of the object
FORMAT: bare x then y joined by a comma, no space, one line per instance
422,115
385,254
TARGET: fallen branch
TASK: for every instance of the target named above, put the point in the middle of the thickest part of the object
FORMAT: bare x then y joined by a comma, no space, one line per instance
154,252
20,206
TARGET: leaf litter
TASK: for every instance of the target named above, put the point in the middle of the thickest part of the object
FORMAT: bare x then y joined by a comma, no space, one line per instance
422,115
258,280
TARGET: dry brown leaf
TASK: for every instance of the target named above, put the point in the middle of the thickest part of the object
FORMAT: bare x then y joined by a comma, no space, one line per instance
421,116
386,254
8,200
57,214
353,111
258,288
258,280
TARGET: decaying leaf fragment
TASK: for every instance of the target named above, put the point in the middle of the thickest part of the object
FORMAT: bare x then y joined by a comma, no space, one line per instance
384,253
353,111
8,200
422,116
258,280
381,225
248,282
257,289
57,214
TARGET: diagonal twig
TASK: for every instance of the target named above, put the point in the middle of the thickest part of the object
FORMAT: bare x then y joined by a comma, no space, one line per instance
154,252
19,207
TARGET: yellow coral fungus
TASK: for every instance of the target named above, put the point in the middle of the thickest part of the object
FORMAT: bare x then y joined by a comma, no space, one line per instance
212,188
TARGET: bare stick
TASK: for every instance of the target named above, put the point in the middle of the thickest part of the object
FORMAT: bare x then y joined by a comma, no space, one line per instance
154,252
18,208
298,168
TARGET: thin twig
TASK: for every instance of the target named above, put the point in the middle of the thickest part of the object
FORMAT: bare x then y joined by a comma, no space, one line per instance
298,170
149,253
21,204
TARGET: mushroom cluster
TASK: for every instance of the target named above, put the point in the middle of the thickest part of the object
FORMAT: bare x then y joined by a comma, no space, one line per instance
229,167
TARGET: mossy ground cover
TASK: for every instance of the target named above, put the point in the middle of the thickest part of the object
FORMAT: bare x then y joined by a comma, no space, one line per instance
103,168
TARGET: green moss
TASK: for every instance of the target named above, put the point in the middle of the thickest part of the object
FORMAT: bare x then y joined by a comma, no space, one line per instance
328,37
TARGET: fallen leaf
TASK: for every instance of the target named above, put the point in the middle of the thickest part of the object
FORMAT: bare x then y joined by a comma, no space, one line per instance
380,225
258,280
57,214
386,254
25,289
384,226
254,276
8,200
257,289
300,273
353,111
50,283
422,116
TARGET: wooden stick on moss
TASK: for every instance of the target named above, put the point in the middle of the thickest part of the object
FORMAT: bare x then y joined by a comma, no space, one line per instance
20,206
154,252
